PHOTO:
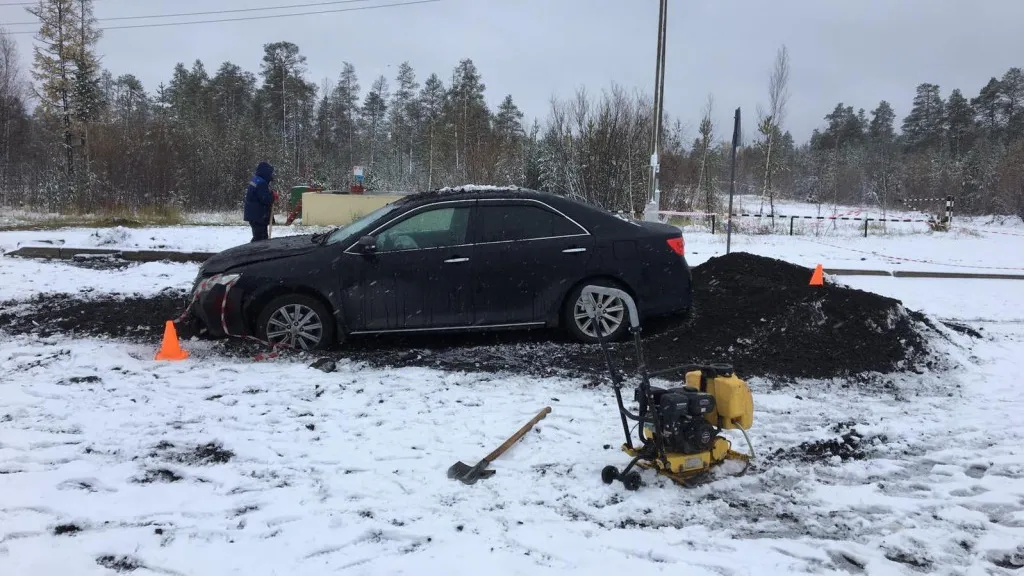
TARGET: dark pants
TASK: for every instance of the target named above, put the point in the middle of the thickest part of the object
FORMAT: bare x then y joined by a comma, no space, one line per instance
259,231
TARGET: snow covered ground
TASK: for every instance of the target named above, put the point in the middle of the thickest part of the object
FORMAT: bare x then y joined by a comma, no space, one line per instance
346,472
222,466
125,457
903,246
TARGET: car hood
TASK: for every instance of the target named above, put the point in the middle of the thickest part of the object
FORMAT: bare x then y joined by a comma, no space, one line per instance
262,251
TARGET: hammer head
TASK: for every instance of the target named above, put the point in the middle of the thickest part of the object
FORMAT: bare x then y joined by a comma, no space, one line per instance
470,474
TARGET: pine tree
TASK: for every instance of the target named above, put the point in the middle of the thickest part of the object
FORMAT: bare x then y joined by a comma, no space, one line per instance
509,132
1011,104
54,67
467,112
987,109
882,127
374,125
402,117
960,122
87,93
345,112
12,114
432,102
924,127
882,135
289,101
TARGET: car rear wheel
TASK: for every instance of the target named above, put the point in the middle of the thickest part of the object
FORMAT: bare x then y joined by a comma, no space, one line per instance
296,321
613,315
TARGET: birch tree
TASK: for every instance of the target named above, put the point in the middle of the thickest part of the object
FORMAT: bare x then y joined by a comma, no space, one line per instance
770,123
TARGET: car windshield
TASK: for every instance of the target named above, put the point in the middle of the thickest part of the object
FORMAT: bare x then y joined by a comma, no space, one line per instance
339,234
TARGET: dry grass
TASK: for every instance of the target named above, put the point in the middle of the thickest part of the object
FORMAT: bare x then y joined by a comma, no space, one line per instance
151,216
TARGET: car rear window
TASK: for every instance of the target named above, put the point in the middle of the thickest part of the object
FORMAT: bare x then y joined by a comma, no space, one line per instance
522,222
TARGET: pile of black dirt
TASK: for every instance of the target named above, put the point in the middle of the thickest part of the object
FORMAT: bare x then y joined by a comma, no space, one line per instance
93,316
759,314
762,315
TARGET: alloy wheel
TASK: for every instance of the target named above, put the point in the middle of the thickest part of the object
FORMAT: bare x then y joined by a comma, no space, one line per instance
611,313
295,325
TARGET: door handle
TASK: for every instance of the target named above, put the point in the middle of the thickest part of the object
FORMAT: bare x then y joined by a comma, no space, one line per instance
456,260
573,250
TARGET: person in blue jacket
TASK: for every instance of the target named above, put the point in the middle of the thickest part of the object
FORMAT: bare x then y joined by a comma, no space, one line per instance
258,201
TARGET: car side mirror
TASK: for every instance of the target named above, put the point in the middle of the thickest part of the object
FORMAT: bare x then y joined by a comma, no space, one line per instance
368,244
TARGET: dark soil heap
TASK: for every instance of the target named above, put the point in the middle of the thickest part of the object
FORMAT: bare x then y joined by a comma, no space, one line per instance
102,316
759,314
763,315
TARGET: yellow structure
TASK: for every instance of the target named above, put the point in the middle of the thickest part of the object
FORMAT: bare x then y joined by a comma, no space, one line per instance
340,209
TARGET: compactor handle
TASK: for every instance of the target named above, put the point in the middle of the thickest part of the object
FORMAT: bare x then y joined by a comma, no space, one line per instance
589,290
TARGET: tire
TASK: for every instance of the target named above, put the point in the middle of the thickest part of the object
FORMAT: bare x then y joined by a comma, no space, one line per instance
581,328
609,474
316,334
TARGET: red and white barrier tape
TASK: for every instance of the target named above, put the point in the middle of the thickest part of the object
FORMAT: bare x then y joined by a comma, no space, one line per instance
224,324
673,213
1000,232
224,327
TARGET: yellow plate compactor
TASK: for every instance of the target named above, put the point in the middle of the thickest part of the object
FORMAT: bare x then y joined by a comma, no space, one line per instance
681,427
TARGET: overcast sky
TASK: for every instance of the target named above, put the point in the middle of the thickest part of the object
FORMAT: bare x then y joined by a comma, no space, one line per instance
855,51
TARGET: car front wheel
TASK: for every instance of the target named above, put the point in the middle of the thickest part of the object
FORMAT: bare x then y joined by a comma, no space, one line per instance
613,316
297,322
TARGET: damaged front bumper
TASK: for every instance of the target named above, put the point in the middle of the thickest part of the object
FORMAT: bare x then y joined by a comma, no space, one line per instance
214,309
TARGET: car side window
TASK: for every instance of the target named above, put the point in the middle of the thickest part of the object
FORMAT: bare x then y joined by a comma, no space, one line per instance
435,228
522,222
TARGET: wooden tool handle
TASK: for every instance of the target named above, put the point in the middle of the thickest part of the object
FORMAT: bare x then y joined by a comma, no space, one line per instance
515,437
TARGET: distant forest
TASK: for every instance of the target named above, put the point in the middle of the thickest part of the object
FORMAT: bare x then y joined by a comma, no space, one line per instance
77,139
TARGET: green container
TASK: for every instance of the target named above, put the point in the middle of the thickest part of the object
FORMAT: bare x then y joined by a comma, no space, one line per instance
296,195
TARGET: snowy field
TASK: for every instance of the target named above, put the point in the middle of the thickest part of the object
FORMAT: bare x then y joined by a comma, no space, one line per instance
111,461
837,244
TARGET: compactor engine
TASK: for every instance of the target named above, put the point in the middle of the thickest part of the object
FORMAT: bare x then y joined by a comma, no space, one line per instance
681,426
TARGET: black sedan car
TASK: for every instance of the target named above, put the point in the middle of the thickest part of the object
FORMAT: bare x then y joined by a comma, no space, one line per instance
463,259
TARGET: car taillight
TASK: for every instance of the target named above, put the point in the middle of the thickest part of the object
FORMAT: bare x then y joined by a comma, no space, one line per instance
677,245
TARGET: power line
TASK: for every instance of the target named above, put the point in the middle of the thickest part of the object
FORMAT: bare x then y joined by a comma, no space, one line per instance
334,11
19,3
232,11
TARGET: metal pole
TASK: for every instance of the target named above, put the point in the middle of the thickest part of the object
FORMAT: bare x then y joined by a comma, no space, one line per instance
654,196
661,79
732,180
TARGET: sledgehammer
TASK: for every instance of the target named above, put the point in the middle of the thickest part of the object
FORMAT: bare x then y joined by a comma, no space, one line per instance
470,474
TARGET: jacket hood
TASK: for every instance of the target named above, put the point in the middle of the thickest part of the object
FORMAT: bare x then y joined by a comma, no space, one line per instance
265,171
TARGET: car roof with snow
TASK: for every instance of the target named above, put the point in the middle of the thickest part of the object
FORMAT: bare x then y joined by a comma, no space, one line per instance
473,192
470,192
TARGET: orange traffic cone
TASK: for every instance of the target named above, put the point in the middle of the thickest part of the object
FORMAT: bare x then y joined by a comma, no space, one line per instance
818,278
170,349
